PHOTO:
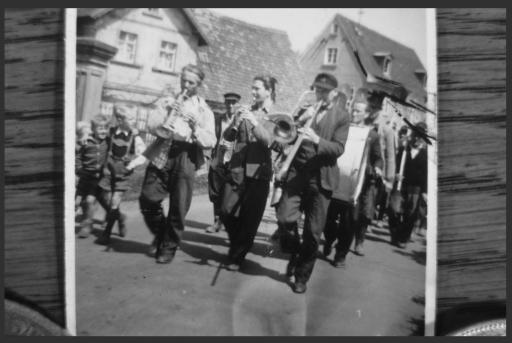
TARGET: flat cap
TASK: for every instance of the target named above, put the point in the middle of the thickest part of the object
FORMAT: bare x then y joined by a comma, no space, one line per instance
325,80
232,96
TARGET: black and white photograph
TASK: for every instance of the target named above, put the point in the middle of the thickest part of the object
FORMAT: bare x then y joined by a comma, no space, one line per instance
253,172
234,178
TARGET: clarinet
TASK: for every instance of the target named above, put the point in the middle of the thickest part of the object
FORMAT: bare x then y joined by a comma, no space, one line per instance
163,135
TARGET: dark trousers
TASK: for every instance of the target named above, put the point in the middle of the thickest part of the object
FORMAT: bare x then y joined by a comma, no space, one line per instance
340,226
175,179
411,213
365,209
302,190
402,224
242,225
382,200
217,176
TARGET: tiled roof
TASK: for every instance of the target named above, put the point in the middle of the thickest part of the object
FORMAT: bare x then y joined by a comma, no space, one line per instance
93,13
405,61
238,51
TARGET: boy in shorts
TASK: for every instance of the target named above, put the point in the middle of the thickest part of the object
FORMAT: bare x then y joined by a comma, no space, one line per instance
91,153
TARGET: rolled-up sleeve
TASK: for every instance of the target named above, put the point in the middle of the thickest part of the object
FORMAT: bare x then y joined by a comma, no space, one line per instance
204,132
159,113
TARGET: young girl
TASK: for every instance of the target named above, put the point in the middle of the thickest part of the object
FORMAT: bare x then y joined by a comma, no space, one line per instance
124,154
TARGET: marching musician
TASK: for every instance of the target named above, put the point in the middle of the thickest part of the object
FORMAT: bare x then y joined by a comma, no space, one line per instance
172,171
312,177
355,218
414,190
388,147
250,170
217,173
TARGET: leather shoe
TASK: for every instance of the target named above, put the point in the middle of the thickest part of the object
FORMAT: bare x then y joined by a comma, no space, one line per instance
299,287
165,255
234,267
212,229
153,248
401,245
358,250
339,261
327,250
84,232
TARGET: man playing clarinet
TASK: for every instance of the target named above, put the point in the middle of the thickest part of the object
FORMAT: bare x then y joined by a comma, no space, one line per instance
172,169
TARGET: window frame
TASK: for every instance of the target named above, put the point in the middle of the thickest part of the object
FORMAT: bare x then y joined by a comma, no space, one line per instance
159,65
121,53
328,56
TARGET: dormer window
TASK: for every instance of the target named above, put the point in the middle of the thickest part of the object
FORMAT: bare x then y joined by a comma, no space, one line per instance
153,12
421,74
331,56
386,68
384,59
334,29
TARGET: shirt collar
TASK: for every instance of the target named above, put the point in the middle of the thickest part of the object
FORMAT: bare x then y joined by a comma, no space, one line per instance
119,130
266,106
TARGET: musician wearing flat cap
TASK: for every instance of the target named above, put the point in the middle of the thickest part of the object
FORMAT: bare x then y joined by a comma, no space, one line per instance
312,177
186,127
218,171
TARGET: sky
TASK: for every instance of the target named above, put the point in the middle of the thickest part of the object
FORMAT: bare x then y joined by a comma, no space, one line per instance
404,25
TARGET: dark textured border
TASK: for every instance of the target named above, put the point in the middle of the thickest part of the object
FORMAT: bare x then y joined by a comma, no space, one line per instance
433,3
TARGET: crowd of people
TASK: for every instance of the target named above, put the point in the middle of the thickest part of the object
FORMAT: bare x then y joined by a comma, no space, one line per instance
244,156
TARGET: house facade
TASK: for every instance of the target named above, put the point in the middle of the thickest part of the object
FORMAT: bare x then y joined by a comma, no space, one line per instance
361,57
151,46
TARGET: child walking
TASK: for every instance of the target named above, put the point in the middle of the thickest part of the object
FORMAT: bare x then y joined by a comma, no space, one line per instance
91,152
124,154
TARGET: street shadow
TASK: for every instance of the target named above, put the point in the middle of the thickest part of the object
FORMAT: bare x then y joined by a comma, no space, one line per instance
380,232
95,222
417,326
261,247
196,224
376,239
418,300
205,238
419,257
205,255
120,245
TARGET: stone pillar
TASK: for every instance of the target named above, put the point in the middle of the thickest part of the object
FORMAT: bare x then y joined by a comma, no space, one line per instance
91,67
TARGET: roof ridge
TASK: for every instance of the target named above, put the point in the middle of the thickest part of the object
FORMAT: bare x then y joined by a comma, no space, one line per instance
223,16
372,31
